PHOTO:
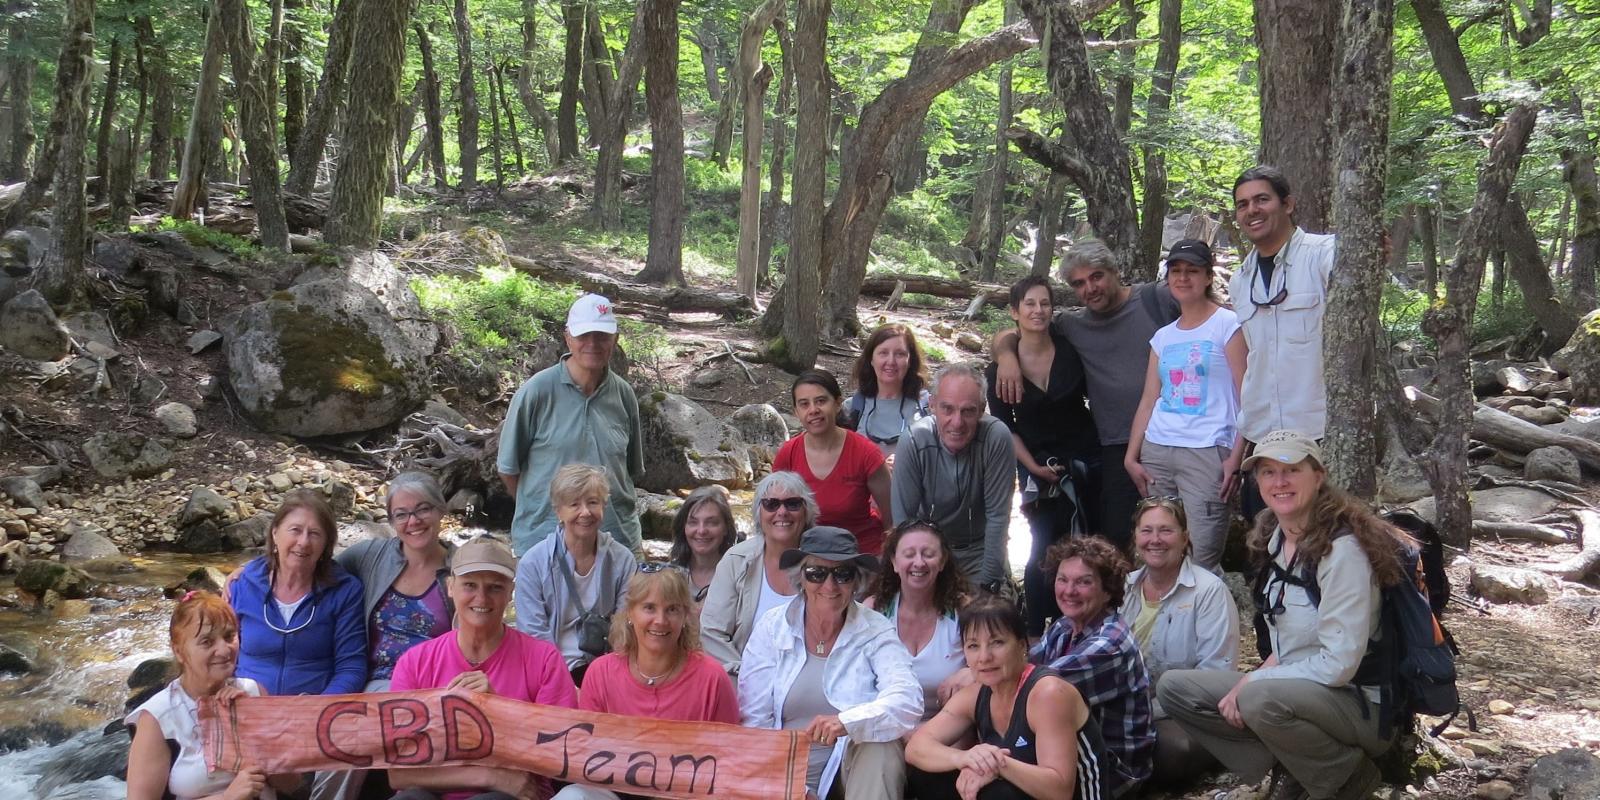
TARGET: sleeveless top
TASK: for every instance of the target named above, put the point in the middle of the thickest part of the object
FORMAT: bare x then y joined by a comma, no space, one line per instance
1019,736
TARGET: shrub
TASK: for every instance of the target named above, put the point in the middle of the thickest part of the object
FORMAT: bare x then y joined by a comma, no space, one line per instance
200,236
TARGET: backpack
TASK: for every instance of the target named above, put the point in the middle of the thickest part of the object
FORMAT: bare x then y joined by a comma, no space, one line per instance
1413,659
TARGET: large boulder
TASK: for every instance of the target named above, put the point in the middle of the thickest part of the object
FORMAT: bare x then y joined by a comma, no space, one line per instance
29,328
686,446
1499,584
177,420
23,491
1568,774
87,543
378,274
1400,480
38,577
1500,504
1580,359
118,455
1553,463
323,358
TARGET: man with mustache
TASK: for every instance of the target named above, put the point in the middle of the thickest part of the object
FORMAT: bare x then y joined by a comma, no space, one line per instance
1280,294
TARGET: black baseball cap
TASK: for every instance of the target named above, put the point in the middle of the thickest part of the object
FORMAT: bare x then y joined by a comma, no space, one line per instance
1193,251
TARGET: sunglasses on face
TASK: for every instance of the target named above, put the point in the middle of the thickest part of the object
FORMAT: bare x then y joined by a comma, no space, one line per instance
791,503
842,574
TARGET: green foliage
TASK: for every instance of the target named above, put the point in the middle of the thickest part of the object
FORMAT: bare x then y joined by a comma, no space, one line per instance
201,236
494,316
1402,311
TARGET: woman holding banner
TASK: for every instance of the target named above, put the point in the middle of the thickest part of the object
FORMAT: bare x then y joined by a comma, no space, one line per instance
749,581
166,758
835,669
656,668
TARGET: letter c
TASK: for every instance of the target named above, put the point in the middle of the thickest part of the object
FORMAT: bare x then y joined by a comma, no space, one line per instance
325,741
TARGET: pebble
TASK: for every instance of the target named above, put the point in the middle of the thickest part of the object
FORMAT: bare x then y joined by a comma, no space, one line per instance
1494,790
25,512
1501,707
280,482
1482,747
1454,734
1590,703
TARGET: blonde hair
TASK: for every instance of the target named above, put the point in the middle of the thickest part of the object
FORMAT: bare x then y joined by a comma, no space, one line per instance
579,480
673,584
1333,511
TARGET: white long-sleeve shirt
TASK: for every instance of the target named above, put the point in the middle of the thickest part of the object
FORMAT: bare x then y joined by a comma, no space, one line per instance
1324,642
1196,628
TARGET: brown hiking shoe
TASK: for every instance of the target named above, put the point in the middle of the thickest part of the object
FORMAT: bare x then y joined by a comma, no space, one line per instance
1284,787
1366,779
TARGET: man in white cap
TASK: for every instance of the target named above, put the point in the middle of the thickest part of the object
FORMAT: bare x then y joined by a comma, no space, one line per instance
575,412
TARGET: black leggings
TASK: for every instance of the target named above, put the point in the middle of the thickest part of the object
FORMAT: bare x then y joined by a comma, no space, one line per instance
942,786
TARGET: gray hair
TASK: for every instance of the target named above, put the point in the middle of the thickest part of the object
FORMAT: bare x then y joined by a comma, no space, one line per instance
421,484
962,370
790,482
1088,253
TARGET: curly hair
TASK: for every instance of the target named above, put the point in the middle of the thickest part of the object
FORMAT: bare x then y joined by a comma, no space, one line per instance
1334,511
949,587
916,368
1098,554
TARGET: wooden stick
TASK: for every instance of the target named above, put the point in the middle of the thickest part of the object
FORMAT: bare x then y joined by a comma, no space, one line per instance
1584,563
894,296
1521,530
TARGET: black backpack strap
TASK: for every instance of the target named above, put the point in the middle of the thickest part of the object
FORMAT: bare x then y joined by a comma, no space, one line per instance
572,580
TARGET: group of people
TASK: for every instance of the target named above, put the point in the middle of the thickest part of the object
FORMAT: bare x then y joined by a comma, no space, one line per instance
870,608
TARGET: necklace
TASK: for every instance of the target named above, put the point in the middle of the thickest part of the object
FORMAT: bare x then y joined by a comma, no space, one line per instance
651,680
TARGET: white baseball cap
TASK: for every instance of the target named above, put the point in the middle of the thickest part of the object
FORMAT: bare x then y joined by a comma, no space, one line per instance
591,313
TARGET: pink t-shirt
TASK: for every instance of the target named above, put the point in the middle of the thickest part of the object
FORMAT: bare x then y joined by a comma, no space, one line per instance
842,497
522,668
702,692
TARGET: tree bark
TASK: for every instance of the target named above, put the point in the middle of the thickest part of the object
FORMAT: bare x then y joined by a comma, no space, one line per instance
19,68
754,77
466,98
612,131
1158,108
63,145
108,110
995,235
664,259
499,74
161,102
799,338
260,133
1122,82
119,180
306,158
1400,232
710,46
1361,163
1577,159
1298,44
1044,253
907,155
527,80
495,150
1428,231
60,277
432,108
356,210
572,16
205,124
294,74
780,144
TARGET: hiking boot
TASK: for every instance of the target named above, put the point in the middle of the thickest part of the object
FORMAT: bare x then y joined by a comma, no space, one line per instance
1283,786
1361,784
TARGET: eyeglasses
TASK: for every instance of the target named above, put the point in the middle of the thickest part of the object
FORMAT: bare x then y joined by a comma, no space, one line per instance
422,511
791,503
295,629
1160,500
652,567
842,574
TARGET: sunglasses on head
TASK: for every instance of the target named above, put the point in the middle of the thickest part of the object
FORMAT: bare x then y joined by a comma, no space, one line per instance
652,567
842,574
1160,500
791,503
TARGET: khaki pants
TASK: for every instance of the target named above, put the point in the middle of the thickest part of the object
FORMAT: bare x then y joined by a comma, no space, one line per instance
1318,734
1193,475
874,770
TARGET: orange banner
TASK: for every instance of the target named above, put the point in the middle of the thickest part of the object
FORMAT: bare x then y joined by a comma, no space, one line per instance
633,755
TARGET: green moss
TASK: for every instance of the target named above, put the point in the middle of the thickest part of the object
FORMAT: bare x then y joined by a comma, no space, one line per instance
659,397
322,357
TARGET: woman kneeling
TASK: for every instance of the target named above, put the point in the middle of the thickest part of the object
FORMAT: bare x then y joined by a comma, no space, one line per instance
1032,727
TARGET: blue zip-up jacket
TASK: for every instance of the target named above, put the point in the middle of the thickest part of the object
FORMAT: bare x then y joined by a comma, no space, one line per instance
326,653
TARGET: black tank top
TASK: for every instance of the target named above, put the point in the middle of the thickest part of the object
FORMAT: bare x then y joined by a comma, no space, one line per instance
1019,736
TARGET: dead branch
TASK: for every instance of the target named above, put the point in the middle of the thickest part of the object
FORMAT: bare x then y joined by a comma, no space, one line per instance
1506,432
884,283
1584,563
1521,530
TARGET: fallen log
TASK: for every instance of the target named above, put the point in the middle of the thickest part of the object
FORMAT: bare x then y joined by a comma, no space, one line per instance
1506,432
730,305
1520,530
1587,560
883,283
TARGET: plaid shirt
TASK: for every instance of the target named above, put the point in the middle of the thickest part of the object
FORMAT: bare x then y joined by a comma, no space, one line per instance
1103,662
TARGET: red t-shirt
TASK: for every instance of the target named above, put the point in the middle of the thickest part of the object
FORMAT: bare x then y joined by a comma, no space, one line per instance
702,692
843,497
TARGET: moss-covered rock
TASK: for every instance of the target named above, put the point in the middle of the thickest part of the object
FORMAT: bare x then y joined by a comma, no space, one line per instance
1580,359
38,577
686,446
323,358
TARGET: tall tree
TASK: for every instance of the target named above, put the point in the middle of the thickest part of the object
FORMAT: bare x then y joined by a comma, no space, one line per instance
256,118
1157,110
1577,168
1297,40
999,171
572,18
467,97
306,157
803,274
60,277
205,124
159,70
294,73
1355,287
108,109
432,108
356,210
749,81
19,70
611,132
527,81
664,259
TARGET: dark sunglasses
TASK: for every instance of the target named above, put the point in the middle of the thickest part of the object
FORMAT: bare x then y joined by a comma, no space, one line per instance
1282,295
791,503
842,574
885,440
1160,500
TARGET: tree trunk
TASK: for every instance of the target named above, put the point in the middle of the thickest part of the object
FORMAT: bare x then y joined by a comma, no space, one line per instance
19,120
1577,158
294,74
1497,283
572,16
1044,253
161,102
994,238
260,133
271,54
1355,287
142,110
432,108
664,260
499,75
467,98
775,174
527,80
1428,230
495,151
1158,109
1122,83
205,124
710,45
307,156
599,69
1298,45
119,179
612,132
64,145
108,110
799,338
60,278
356,210
906,153
1558,246
753,76
1400,241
